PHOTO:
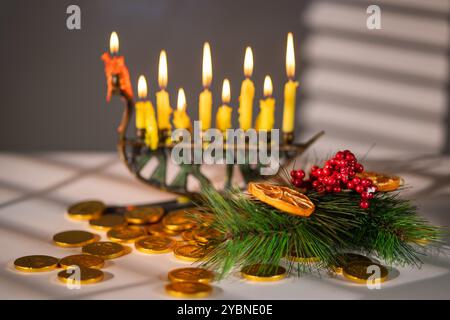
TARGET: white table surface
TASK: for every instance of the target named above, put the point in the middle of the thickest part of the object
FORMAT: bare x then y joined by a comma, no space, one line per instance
36,189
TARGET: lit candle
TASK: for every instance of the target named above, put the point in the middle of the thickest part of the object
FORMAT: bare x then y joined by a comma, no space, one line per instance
289,89
247,93
145,116
223,117
266,116
117,75
180,118
205,99
162,97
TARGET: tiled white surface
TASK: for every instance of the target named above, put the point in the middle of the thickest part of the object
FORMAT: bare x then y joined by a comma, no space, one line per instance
36,189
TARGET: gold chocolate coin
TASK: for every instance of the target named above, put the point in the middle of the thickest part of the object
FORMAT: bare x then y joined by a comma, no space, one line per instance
295,257
347,258
189,252
191,275
178,220
144,215
80,275
74,238
82,260
188,235
86,210
263,272
158,229
206,234
155,244
126,234
108,221
105,249
361,271
188,289
36,263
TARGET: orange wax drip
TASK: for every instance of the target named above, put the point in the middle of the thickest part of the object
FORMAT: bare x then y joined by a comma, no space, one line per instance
116,66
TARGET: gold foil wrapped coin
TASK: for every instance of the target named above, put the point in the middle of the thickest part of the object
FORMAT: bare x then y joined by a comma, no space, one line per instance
178,220
82,260
108,221
86,210
347,258
295,257
263,272
74,238
144,215
206,234
189,252
361,271
188,235
155,244
80,275
191,275
188,289
36,263
105,249
158,229
126,234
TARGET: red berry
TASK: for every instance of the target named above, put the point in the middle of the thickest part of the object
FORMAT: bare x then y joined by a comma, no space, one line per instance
359,167
356,180
337,189
339,155
331,181
319,172
366,182
329,188
351,173
293,173
366,195
364,204
350,156
326,171
299,174
316,183
350,185
359,188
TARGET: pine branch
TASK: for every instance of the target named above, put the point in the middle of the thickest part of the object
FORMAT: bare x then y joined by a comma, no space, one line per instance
258,233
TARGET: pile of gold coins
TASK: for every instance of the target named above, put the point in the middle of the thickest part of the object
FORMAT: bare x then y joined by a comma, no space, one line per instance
151,231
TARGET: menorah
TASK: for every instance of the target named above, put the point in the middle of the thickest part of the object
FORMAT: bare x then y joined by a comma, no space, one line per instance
136,152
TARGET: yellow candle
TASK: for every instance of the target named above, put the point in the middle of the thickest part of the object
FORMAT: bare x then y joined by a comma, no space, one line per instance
266,116
140,106
162,97
205,99
151,133
145,115
247,93
223,117
290,88
180,118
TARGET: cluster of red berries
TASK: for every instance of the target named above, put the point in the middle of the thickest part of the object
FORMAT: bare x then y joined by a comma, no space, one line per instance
338,173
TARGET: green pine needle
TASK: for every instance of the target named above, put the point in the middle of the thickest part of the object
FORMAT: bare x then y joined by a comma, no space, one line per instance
254,232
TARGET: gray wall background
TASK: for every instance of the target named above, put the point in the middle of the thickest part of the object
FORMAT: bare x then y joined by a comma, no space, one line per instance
53,84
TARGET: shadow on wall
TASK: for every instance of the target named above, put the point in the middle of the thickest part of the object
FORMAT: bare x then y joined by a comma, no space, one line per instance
386,86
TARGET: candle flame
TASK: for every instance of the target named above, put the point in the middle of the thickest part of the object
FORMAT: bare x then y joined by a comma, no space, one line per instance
181,102
207,66
226,92
248,62
268,88
114,43
162,70
290,56
142,87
